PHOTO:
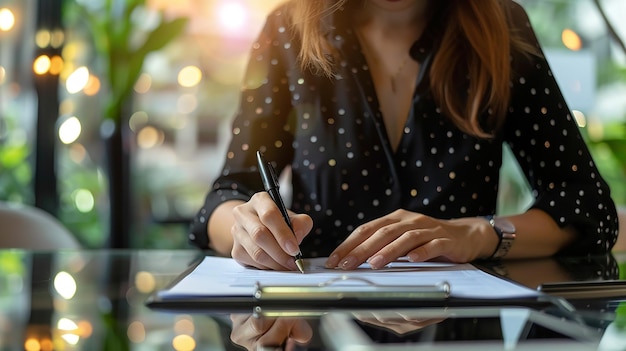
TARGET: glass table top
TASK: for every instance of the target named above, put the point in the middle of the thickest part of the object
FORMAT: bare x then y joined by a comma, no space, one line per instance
95,300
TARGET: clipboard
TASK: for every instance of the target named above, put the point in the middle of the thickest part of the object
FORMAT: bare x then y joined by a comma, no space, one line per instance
346,292
301,303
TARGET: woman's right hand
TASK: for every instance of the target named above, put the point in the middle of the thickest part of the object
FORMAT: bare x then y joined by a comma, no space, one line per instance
253,332
262,238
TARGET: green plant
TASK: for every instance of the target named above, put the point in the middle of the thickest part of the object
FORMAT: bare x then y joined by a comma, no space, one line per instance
122,42
117,38
15,170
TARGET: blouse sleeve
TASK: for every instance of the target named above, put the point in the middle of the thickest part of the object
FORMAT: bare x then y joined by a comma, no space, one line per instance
553,155
262,123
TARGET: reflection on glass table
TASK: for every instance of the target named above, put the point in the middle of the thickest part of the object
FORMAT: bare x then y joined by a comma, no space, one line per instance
96,300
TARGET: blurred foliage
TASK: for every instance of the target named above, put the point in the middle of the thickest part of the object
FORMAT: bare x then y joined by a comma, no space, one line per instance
12,262
15,169
13,272
611,72
545,16
87,225
121,41
608,147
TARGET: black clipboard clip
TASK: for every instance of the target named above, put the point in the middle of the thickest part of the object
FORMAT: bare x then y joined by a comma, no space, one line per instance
349,287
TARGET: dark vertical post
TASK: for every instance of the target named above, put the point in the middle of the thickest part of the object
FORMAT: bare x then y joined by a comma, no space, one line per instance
47,88
117,140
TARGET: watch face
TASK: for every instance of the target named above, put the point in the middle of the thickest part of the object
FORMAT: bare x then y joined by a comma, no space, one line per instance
504,225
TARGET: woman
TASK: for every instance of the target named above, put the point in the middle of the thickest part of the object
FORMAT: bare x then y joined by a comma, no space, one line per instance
391,115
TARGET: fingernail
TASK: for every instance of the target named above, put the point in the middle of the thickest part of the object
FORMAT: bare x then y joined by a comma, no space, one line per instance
348,262
332,261
376,262
412,257
292,248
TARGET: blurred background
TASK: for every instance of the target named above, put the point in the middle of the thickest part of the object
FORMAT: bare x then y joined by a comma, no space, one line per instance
114,114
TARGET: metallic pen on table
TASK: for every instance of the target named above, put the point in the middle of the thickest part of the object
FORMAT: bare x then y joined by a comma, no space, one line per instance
270,182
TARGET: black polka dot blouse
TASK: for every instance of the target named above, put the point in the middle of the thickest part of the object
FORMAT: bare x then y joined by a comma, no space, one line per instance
330,132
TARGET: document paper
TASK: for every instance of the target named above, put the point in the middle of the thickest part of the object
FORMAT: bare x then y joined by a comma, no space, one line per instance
217,276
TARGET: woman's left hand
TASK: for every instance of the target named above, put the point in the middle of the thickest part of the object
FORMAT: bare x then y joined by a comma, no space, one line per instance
417,236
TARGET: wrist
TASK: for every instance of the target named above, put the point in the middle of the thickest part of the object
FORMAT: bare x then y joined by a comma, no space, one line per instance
489,238
504,232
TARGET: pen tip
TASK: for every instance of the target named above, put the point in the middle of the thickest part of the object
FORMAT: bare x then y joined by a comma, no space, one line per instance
300,265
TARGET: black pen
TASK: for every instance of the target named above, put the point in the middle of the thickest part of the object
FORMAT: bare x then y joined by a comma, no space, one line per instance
270,182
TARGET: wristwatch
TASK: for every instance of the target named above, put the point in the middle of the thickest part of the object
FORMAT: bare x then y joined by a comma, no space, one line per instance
506,235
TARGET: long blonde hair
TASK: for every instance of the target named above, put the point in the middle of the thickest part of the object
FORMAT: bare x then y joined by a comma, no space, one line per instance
476,41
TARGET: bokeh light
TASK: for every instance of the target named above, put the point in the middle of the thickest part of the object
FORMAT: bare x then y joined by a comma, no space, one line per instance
232,15
70,338
83,200
57,38
145,282
78,80
149,137
93,86
7,19
66,324
143,84
70,130
184,325
571,40
65,285
183,343
42,38
77,153
136,332
137,120
42,64
46,344
56,65
32,344
189,76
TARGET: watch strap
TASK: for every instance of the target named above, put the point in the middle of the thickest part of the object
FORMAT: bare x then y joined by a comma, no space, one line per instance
505,239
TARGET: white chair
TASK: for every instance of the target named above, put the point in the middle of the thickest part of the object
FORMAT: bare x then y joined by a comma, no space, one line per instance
28,227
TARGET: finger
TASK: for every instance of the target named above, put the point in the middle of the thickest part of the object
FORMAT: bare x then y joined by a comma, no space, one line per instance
356,238
277,333
400,247
432,249
247,252
239,318
271,217
258,240
246,261
268,218
381,238
301,331
262,324
242,333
